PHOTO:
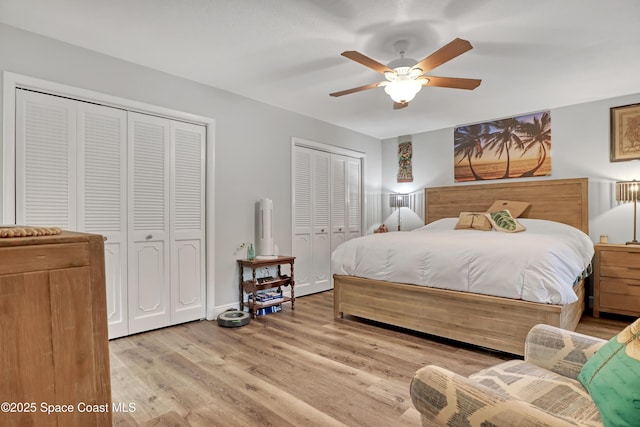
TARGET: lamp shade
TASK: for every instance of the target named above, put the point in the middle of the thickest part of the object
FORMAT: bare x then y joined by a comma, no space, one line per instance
397,200
627,191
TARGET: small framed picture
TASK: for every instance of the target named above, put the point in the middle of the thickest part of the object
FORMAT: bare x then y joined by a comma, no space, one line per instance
625,133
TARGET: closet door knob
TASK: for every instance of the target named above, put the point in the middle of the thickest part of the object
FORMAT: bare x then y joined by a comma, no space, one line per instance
104,238
149,237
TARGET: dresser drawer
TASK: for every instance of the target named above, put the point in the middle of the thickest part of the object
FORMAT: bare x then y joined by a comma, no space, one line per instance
24,259
619,295
620,264
622,304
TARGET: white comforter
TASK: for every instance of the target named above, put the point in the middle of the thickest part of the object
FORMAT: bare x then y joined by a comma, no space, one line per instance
539,264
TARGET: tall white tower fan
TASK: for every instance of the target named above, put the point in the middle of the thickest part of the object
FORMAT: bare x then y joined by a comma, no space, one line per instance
265,247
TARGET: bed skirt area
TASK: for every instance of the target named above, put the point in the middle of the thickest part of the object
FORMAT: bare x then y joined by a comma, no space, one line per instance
487,321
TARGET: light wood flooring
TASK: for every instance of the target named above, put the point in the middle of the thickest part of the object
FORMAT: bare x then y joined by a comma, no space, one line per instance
293,368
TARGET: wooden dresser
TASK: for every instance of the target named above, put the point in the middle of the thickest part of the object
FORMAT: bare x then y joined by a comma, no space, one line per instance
53,322
616,279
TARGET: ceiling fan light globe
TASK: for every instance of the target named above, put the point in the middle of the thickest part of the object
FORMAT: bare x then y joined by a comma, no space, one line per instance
403,90
390,75
414,73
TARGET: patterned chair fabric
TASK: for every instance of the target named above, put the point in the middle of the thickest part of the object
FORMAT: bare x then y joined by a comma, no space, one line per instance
540,391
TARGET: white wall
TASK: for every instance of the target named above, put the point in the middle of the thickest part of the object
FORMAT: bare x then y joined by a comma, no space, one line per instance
252,141
579,147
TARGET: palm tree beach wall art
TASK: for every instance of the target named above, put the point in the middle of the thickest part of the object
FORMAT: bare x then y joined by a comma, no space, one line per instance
516,147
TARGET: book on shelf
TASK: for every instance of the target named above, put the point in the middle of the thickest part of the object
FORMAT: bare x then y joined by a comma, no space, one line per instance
267,296
268,310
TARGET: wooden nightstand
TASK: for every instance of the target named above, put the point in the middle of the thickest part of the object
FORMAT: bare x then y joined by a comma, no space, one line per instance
616,279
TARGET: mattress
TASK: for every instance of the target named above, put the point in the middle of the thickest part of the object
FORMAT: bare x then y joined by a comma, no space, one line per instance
540,264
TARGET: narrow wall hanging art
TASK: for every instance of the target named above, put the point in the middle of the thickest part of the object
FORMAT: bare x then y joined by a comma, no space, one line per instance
405,154
515,147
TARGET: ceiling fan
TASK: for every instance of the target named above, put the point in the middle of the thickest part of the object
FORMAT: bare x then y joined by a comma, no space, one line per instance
405,76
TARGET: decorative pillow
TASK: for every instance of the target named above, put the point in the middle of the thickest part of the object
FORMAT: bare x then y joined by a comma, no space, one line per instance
612,378
504,221
516,208
473,221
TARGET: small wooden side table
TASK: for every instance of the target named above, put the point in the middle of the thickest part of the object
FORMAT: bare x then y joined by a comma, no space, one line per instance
254,284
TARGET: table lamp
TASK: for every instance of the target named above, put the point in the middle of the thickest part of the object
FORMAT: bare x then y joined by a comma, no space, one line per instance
399,201
627,191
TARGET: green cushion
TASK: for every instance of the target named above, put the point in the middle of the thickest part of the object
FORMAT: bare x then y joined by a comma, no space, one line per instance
612,378
504,221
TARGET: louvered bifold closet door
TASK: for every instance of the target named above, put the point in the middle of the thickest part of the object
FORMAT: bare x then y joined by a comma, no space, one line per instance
321,208
327,210
338,200
102,175
187,222
354,197
312,220
45,160
302,217
148,222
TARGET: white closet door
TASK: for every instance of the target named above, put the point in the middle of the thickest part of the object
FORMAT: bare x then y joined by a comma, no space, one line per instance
321,244
45,160
148,219
326,210
338,200
302,217
311,242
187,222
136,179
354,198
102,153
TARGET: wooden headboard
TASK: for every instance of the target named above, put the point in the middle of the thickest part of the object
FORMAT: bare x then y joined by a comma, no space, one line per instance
561,200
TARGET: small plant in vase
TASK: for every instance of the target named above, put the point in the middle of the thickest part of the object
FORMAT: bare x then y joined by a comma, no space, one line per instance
250,251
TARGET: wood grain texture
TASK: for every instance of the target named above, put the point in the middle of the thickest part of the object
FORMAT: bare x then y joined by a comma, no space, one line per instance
616,279
560,200
488,321
27,363
497,323
23,259
54,330
292,368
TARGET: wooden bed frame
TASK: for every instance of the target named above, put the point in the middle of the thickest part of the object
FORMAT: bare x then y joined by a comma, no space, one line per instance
493,322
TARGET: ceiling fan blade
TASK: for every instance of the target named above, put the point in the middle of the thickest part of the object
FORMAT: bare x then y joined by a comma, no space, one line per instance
399,105
450,82
358,89
366,61
446,53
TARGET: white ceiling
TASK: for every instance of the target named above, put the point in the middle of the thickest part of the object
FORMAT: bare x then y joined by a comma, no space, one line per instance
530,54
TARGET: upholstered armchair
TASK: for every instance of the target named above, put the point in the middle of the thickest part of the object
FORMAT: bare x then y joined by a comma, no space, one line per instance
541,390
